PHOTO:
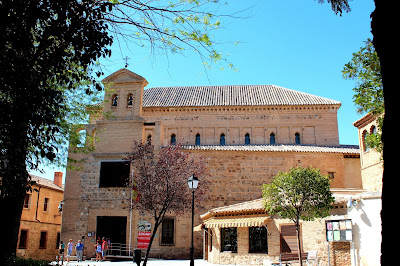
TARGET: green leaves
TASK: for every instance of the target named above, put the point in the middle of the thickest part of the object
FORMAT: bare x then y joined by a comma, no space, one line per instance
175,26
365,68
301,193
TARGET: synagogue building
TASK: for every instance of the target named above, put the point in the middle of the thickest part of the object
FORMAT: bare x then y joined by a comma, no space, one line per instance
247,133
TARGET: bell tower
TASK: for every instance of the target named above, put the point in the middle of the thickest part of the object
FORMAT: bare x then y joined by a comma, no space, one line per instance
124,95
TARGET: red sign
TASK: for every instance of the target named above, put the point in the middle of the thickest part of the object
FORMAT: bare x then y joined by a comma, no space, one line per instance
144,234
143,239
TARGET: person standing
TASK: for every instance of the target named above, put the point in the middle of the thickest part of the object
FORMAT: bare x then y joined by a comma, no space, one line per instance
70,246
79,250
60,253
98,250
104,247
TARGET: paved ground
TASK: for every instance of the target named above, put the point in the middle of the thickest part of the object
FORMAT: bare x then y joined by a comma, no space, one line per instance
152,262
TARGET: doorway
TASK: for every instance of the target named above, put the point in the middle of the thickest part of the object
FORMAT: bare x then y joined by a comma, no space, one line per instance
113,228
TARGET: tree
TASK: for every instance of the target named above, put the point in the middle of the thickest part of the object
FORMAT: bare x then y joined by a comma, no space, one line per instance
365,67
170,26
47,48
384,18
300,194
160,181
48,52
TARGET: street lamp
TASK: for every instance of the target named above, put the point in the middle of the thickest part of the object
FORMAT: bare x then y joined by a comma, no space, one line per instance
193,182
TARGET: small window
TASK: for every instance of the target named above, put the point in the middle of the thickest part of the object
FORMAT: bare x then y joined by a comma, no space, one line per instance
297,138
364,141
373,130
229,239
27,201
114,174
114,101
197,139
167,231
23,239
46,204
173,139
331,175
149,139
247,139
222,139
130,101
43,240
258,242
81,138
272,139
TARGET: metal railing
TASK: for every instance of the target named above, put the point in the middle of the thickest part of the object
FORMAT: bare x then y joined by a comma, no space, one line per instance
122,250
119,249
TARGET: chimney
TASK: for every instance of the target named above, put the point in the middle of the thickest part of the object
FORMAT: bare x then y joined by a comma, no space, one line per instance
58,178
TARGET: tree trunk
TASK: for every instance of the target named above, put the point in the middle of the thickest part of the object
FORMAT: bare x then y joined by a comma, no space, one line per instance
153,234
384,21
13,183
299,243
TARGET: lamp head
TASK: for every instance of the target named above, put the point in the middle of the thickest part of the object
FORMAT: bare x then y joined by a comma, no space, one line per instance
193,182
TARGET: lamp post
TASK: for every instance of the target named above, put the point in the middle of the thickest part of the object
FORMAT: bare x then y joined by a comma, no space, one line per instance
193,182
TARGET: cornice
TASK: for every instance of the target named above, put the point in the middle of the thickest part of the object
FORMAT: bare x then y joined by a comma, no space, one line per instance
241,109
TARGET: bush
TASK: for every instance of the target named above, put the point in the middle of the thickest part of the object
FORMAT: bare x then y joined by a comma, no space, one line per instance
17,261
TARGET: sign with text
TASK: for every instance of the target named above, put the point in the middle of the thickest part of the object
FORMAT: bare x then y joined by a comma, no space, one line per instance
144,235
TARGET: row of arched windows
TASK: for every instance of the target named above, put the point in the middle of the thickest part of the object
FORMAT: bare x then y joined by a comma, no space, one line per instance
272,139
115,99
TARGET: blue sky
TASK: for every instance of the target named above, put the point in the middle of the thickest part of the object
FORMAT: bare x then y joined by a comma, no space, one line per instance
300,45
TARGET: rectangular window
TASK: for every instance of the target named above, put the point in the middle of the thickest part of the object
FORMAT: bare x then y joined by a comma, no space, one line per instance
114,174
229,239
258,242
43,240
23,239
27,201
46,204
167,231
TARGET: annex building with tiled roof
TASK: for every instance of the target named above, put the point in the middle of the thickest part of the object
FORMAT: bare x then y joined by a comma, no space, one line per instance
247,133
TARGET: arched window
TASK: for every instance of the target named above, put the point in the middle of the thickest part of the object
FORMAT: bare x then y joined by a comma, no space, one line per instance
81,138
373,130
197,139
173,139
114,101
272,139
130,101
222,139
364,142
247,139
297,138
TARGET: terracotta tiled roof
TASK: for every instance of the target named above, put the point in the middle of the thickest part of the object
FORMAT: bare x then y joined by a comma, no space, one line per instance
247,206
341,197
237,95
45,182
345,149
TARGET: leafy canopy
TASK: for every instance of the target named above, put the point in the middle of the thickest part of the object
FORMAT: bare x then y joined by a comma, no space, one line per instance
365,68
301,193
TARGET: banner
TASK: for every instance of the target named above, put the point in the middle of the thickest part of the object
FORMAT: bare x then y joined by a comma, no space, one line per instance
144,235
